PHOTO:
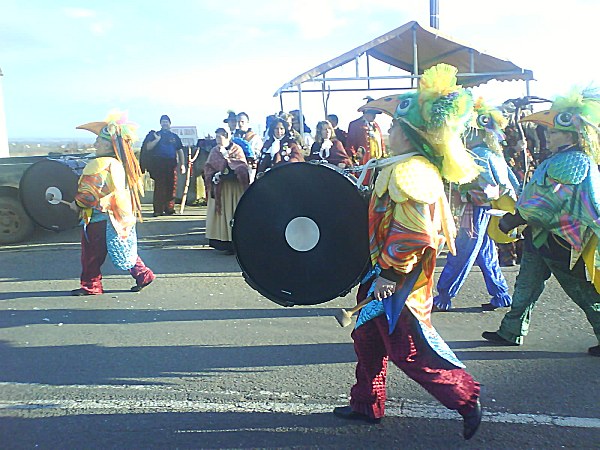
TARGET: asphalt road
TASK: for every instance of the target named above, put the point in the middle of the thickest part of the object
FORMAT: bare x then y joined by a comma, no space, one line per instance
200,360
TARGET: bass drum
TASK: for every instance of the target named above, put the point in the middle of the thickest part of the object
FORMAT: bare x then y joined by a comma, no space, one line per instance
300,234
54,178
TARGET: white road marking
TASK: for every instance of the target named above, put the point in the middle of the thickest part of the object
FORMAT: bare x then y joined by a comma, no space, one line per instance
140,405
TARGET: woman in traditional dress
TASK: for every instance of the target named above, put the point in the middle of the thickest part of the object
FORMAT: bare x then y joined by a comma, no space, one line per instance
226,177
279,148
327,147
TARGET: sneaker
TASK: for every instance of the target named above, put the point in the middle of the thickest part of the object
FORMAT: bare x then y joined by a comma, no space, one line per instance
493,336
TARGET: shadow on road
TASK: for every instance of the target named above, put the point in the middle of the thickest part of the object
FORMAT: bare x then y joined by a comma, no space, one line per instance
18,318
98,365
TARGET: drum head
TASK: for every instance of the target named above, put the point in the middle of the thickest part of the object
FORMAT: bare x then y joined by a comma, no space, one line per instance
53,177
301,234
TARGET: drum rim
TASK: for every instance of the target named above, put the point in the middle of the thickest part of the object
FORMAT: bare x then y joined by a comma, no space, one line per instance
23,190
248,273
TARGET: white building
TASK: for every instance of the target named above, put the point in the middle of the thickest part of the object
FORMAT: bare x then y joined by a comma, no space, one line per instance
3,135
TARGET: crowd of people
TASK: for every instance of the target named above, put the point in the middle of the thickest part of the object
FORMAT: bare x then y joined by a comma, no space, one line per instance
511,189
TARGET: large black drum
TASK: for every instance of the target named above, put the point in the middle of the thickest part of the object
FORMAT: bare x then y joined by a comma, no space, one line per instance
300,234
43,186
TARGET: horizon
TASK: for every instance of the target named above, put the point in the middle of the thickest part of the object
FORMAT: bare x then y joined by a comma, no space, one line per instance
78,63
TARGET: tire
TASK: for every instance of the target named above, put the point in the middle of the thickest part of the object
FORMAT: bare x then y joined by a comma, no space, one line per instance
15,224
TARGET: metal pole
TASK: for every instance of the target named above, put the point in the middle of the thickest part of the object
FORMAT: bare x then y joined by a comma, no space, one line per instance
415,57
434,14
301,114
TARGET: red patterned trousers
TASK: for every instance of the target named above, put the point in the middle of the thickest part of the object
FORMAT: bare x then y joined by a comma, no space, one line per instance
406,347
93,255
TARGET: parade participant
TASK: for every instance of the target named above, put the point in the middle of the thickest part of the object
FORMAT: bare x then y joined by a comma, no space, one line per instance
167,154
328,148
108,199
561,206
279,148
495,184
365,140
226,177
409,221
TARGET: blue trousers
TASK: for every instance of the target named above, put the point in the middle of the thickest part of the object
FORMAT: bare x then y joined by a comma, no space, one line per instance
471,248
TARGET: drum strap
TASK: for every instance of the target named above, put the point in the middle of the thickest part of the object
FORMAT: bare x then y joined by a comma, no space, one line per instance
383,162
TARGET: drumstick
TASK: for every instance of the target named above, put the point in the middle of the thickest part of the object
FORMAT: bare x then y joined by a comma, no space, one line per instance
50,197
344,317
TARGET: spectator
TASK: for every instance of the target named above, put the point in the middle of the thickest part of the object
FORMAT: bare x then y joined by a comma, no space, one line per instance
226,177
340,134
306,138
279,148
327,148
166,152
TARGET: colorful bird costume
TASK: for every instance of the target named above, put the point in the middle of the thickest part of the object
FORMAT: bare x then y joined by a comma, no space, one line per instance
561,205
409,222
495,186
108,194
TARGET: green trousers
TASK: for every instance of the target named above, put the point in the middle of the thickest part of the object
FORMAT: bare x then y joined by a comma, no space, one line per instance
534,272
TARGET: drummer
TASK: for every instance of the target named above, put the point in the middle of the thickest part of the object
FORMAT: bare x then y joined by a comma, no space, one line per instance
107,200
279,148
327,147
409,221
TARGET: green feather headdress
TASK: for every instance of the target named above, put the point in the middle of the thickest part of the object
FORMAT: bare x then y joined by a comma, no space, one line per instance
437,115
577,112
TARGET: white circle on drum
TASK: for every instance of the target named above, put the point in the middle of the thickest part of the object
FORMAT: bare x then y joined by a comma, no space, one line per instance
302,234
53,195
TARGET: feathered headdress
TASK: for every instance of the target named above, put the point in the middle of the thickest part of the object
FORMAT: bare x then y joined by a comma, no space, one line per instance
434,119
492,122
122,134
578,112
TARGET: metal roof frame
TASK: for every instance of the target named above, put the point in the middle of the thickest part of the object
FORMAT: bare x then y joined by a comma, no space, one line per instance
411,48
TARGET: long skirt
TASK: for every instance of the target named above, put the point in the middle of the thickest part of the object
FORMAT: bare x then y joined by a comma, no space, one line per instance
218,225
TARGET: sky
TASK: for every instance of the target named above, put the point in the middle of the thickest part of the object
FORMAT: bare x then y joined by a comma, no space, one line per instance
66,62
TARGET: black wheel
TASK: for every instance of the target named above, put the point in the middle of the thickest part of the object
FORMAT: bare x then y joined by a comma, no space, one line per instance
15,224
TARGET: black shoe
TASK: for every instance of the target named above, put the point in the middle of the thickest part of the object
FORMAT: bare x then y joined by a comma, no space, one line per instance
436,308
81,292
594,351
346,412
139,287
493,336
170,212
471,421
488,307
156,214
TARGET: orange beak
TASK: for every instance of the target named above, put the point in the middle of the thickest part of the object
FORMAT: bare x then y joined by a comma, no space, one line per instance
94,127
386,105
545,118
